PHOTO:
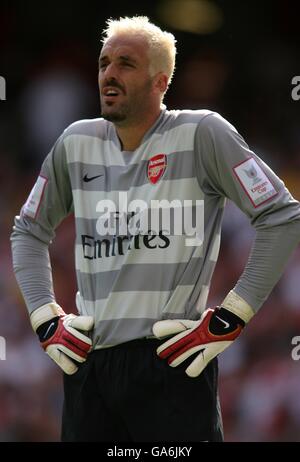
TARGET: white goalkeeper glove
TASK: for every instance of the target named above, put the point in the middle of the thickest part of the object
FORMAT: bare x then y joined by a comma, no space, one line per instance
60,337
215,331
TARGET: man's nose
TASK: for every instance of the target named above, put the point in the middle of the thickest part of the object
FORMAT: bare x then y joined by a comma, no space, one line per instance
110,72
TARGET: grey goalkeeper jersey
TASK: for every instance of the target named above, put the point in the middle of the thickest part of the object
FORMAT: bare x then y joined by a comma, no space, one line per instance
129,281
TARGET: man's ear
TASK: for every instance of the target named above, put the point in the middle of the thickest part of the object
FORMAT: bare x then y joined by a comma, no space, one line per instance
161,82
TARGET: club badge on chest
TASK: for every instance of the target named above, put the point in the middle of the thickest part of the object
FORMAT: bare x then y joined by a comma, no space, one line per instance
156,167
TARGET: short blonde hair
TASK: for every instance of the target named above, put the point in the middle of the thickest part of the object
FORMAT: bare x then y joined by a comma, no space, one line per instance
162,48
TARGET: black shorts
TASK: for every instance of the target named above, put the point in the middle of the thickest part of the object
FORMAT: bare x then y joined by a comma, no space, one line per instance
126,393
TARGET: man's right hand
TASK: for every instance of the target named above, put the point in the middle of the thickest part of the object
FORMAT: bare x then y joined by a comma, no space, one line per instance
60,337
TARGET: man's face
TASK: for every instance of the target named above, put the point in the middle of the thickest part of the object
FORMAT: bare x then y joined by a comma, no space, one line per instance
126,88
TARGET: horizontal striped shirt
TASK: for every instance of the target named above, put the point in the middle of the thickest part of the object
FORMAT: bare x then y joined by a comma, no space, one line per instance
129,281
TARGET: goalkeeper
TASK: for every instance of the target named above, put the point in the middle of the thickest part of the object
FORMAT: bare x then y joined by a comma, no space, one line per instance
140,358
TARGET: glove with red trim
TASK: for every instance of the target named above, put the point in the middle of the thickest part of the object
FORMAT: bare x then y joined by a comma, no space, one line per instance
60,335
209,336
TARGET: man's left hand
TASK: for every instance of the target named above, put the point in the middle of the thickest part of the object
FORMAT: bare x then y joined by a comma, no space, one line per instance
209,336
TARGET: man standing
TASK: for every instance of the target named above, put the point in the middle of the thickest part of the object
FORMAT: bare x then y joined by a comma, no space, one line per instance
138,285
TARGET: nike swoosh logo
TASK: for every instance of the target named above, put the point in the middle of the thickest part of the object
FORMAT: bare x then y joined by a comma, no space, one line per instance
48,330
87,179
226,324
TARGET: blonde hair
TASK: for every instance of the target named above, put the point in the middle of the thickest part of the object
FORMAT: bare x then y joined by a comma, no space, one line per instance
162,48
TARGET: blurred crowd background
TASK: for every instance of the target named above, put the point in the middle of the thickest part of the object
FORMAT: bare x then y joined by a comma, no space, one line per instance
237,58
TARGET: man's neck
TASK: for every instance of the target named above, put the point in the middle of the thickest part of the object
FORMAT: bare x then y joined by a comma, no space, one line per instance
131,135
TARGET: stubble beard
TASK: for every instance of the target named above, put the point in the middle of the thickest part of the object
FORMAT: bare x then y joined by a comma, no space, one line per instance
128,112
126,115
117,116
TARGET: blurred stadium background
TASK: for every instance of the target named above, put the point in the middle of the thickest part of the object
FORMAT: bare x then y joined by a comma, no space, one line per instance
237,58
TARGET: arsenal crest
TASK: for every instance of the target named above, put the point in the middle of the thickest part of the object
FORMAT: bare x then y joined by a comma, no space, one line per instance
156,167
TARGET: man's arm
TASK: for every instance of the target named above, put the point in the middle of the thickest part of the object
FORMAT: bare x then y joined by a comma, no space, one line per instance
32,267
226,167
49,202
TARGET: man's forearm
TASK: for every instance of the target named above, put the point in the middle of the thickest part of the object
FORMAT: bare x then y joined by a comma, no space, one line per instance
269,254
32,268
